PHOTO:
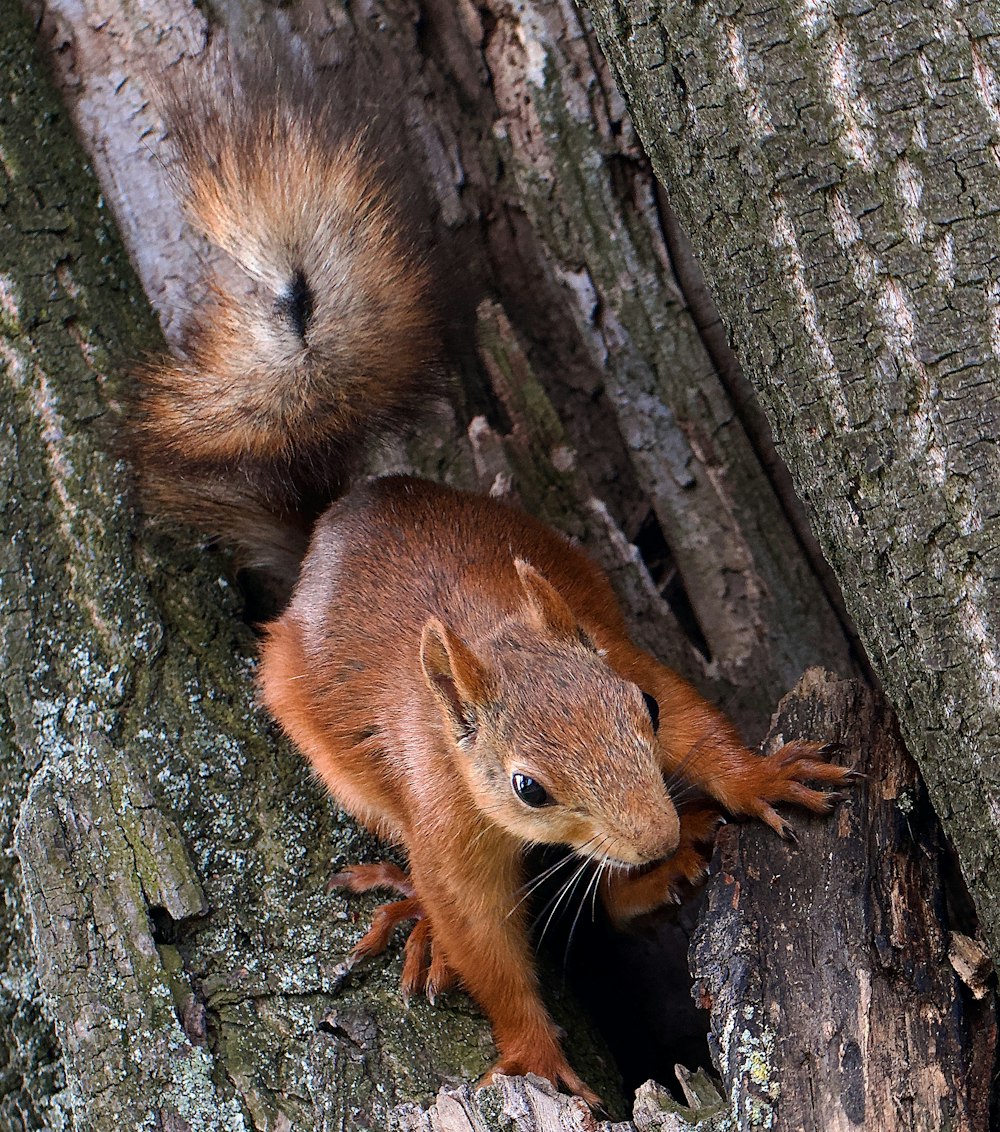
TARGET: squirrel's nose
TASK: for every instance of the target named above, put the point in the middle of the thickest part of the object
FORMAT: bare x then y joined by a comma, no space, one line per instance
660,835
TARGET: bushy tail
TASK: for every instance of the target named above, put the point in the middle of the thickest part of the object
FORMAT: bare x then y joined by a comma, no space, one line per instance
263,538
319,339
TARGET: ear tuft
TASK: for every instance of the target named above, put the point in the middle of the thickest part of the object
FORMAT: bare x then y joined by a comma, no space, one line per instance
434,657
548,607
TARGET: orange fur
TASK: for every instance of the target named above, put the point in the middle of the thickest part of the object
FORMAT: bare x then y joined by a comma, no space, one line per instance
323,340
439,643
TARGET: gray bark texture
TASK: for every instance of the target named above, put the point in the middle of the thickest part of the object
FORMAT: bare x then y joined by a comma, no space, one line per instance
169,958
837,167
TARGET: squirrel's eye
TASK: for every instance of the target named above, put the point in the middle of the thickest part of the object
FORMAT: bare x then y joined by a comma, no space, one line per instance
654,710
530,792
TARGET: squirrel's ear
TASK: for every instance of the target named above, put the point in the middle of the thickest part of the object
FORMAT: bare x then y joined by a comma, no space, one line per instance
549,608
456,675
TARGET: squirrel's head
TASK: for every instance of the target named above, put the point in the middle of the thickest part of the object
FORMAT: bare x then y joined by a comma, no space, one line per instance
554,746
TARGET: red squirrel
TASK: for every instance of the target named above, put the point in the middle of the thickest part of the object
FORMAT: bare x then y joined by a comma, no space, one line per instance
462,680
459,676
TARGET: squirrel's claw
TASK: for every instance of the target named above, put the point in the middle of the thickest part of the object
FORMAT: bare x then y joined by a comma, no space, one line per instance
834,747
440,977
782,776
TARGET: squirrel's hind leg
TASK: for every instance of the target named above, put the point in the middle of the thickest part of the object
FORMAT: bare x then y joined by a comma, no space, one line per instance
424,966
363,878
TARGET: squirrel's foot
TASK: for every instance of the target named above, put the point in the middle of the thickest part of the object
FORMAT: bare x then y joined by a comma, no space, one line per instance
424,965
781,776
385,920
553,1068
630,894
363,878
425,968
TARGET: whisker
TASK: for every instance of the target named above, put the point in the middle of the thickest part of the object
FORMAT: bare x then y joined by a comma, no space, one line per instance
566,891
591,885
534,883
593,895
571,853
677,796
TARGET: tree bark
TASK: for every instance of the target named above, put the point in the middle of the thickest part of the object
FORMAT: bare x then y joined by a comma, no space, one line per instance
836,165
174,852
826,963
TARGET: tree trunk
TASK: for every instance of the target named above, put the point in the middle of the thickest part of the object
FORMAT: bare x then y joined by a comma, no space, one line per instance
826,963
836,165
174,852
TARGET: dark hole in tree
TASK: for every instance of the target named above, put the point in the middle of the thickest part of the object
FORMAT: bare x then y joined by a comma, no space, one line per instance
165,929
652,546
635,984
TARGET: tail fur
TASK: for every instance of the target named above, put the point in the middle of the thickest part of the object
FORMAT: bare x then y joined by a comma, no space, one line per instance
322,341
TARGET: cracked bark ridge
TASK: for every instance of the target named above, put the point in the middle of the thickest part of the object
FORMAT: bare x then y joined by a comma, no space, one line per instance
586,187
826,963
529,1104
98,859
836,166
65,657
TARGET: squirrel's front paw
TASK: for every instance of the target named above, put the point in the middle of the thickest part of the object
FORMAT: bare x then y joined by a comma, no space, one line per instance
781,776
627,895
425,967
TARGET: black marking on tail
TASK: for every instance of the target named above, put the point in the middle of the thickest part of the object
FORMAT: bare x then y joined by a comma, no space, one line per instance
296,304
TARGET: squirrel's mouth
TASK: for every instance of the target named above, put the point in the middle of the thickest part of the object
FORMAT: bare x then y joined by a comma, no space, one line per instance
635,867
611,861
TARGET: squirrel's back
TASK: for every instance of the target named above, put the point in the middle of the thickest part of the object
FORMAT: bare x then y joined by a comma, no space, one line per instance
397,550
412,590
318,339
